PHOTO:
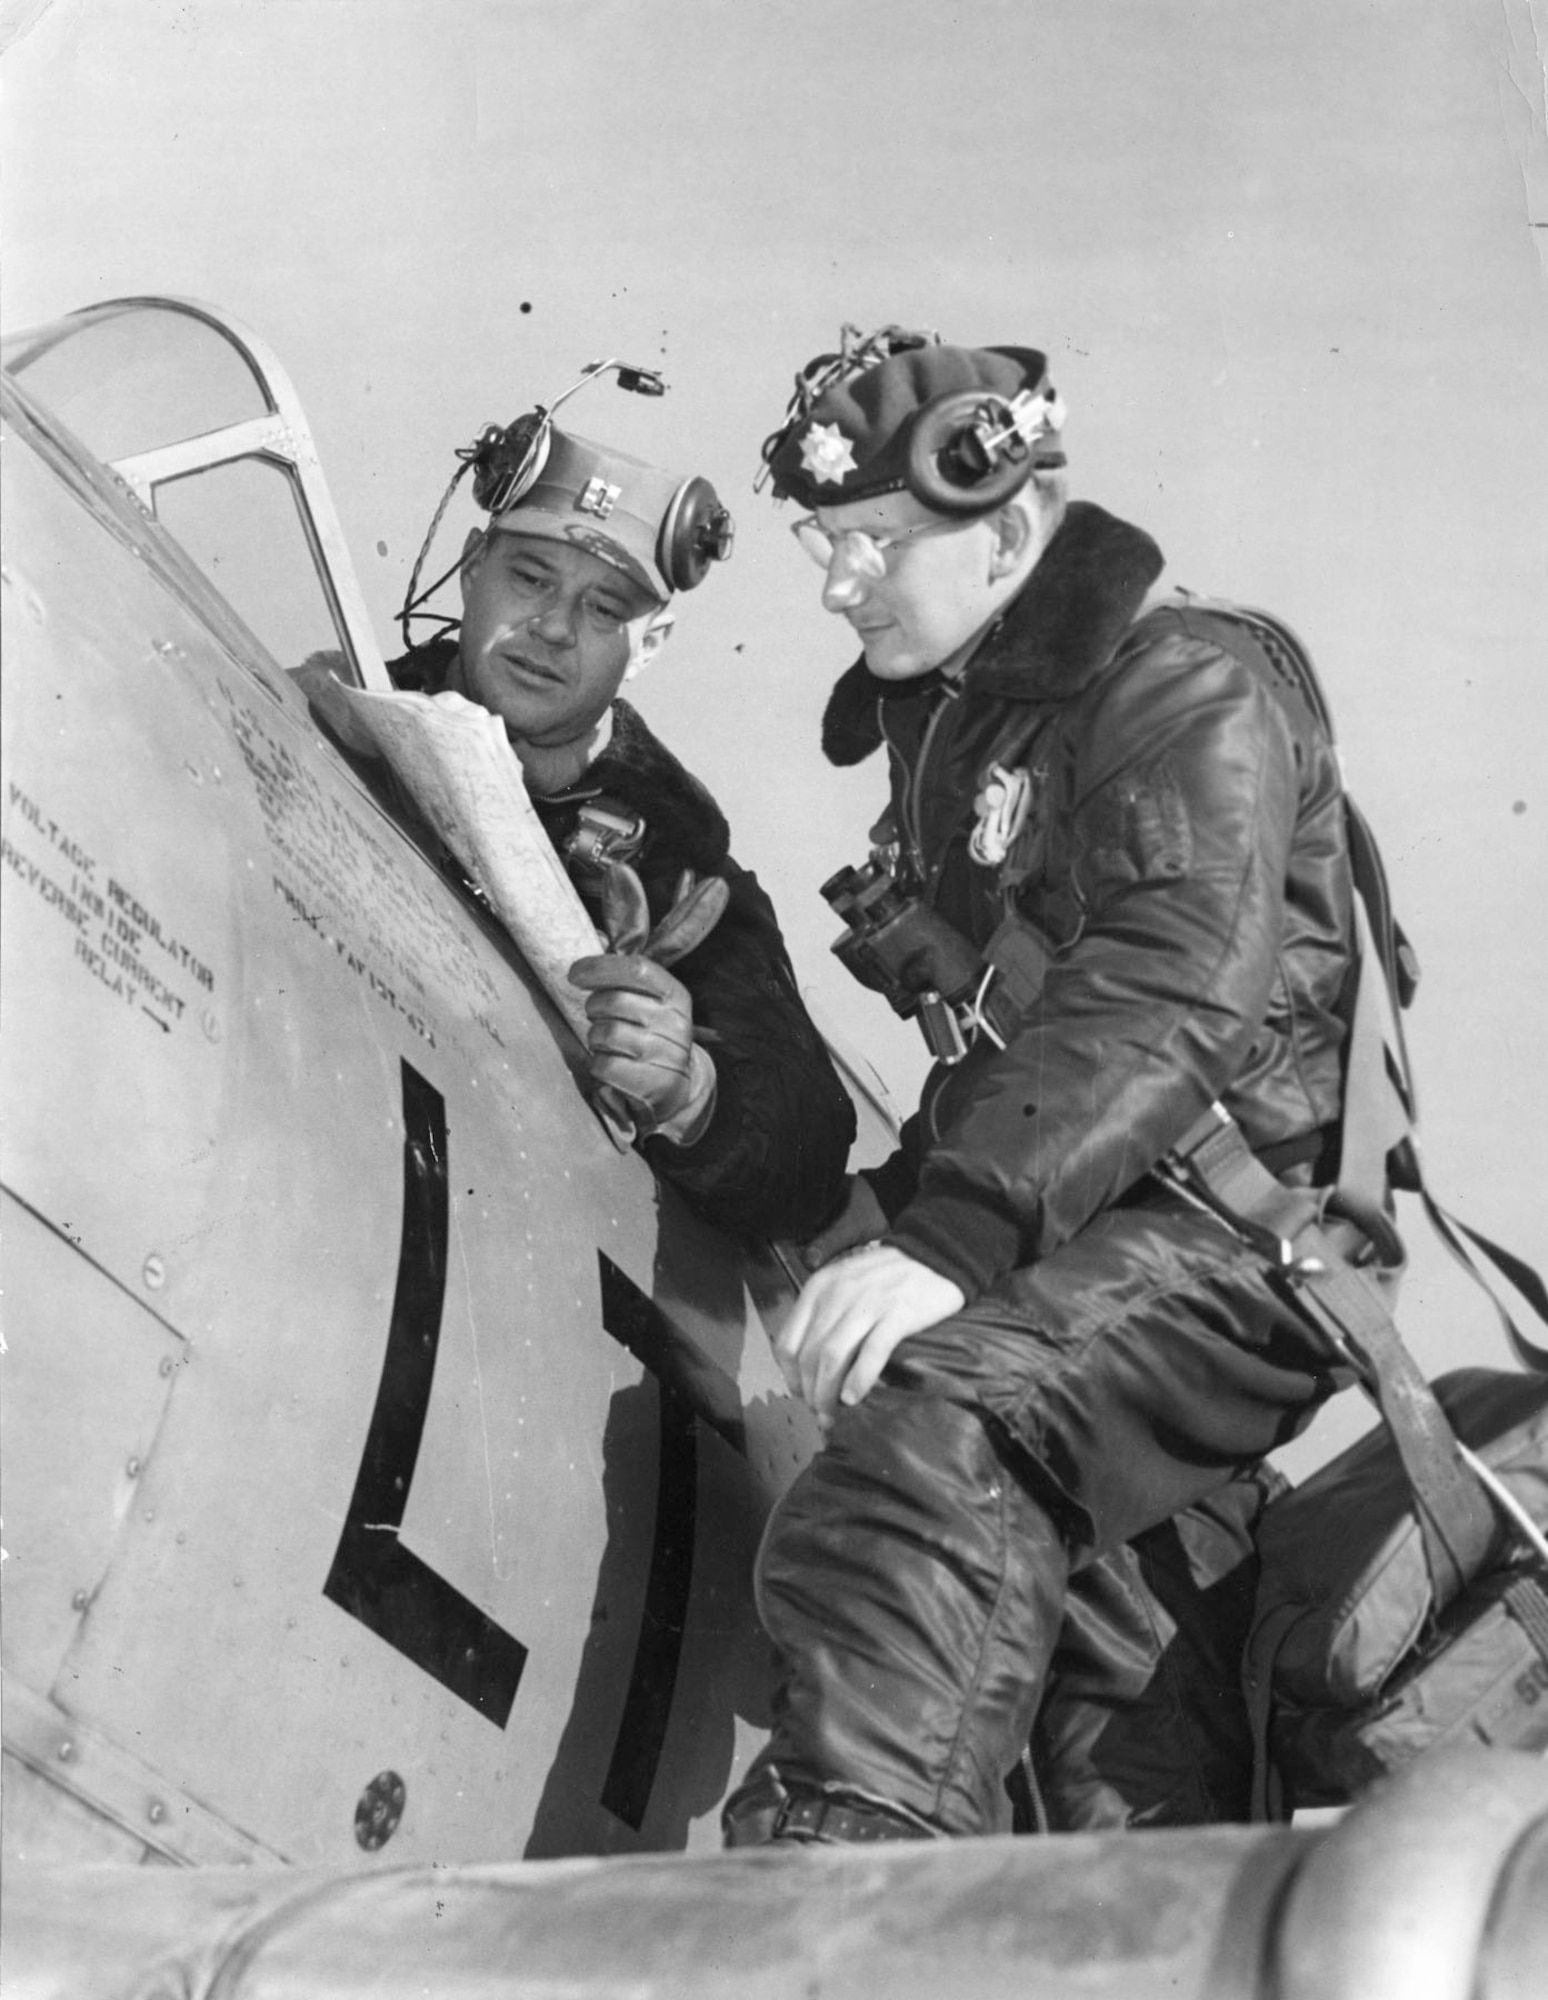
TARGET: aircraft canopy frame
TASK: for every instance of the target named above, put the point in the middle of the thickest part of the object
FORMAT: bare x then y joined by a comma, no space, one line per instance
185,405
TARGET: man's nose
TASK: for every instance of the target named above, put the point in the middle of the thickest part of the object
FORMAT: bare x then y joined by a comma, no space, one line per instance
845,584
554,622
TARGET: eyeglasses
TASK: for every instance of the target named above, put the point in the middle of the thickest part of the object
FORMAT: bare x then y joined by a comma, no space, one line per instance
863,550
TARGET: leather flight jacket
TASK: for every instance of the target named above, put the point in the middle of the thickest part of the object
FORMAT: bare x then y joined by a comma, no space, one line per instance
1171,918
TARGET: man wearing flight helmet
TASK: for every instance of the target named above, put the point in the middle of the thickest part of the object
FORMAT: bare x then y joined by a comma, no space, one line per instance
696,1021
1112,886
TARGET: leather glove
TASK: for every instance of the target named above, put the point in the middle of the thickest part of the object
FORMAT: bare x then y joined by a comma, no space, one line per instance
641,1037
643,1044
696,909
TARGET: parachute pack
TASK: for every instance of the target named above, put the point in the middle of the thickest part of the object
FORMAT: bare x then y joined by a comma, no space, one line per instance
1403,1597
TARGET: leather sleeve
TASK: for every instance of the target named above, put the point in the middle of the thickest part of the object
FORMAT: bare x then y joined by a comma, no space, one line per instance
771,1161
1168,864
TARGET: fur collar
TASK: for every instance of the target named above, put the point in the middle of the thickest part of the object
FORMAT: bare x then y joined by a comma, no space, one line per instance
636,769
426,668
1050,640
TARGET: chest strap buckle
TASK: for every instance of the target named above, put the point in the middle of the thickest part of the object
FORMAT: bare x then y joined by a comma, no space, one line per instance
604,833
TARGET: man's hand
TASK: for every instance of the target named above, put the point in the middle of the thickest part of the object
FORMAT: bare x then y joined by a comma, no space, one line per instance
861,1220
641,1036
851,1316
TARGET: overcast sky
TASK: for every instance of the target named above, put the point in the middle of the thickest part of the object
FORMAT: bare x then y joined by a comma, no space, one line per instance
1288,263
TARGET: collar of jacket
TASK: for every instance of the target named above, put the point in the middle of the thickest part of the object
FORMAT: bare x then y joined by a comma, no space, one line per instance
1060,629
636,769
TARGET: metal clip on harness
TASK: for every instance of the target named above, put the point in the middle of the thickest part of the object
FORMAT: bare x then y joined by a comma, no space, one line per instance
1344,1301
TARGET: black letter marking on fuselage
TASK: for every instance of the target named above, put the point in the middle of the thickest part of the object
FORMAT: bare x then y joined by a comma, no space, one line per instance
374,1578
637,1323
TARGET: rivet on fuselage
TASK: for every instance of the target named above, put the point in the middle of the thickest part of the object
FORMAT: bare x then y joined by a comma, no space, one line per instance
379,1809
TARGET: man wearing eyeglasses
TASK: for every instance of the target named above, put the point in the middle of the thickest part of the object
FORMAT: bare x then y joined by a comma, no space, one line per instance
696,1022
1111,884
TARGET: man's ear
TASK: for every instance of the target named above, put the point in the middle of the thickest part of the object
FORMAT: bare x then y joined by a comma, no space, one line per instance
472,553
647,636
1015,538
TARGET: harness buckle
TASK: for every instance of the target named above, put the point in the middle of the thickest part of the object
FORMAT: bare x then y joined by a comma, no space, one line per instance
603,834
942,1027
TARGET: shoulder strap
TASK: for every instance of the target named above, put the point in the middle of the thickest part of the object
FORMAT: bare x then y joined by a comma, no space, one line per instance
1378,1135
1378,1139
1292,673
1346,1303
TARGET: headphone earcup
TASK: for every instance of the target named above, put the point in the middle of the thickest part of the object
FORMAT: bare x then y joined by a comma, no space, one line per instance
508,463
948,467
695,531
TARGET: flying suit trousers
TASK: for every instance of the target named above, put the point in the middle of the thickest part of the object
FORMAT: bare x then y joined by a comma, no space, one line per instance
914,1579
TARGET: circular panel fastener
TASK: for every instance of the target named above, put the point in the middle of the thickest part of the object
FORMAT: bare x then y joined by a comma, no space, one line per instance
378,1810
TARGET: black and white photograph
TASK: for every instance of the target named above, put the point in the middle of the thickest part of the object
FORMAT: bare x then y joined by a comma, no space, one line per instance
773,947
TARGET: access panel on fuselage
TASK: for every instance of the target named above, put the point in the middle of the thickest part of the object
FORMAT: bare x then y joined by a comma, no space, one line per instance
447,1521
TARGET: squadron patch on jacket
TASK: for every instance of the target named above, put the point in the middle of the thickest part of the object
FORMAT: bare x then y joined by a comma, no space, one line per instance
1139,830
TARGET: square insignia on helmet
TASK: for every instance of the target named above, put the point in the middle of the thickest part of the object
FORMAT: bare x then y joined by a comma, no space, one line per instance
598,497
